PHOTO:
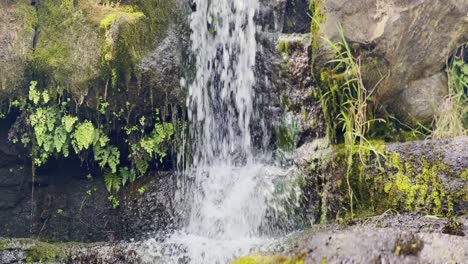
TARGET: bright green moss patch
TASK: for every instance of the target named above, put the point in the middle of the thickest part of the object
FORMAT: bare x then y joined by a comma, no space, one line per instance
128,17
416,191
264,259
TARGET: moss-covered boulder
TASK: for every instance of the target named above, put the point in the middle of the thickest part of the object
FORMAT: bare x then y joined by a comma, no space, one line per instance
428,177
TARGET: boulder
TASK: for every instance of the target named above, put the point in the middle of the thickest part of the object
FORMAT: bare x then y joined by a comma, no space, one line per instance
413,38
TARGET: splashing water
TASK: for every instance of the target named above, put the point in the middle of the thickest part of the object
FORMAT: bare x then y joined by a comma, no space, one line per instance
229,191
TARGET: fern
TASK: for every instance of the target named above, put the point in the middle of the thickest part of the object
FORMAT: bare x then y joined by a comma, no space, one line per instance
83,136
112,181
109,156
60,138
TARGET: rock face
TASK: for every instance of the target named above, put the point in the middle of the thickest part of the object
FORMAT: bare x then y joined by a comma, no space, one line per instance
413,40
95,52
65,206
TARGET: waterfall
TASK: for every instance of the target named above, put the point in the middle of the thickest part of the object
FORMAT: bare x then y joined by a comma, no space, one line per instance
229,188
221,107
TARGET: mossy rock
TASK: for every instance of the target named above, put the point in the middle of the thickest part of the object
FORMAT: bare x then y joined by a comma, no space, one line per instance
405,181
36,251
17,21
85,48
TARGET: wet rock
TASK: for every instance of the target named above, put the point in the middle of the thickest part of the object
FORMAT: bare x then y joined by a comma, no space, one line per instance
297,17
161,71
414,38
65,206
152,210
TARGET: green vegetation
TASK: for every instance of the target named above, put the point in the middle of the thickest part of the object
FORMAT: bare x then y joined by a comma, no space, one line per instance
86,85
345,104
44,253
452,121
51,131
318,17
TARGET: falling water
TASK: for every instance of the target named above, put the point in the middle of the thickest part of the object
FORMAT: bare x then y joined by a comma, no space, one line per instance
229,188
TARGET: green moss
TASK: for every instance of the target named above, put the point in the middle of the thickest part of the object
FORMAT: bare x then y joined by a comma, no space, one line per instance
403,185
283,47
18,19
263,259
4,244
44,253
413,191
287,135
120,16
66,55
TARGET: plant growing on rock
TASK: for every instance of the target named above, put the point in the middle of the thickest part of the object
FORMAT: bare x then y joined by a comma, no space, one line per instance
346,106
51,131
452,119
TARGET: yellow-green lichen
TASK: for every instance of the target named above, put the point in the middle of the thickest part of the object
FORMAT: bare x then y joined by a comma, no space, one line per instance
413,191
265,259
464,175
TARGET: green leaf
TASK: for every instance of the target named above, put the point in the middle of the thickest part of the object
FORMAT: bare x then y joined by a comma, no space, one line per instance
112,181
68,122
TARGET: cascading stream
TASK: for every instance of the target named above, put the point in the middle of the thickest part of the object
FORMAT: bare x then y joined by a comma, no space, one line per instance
229,191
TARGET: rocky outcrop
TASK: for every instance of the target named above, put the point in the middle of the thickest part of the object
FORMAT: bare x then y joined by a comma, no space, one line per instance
383,239
412,40
387,238
61,204
422,176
